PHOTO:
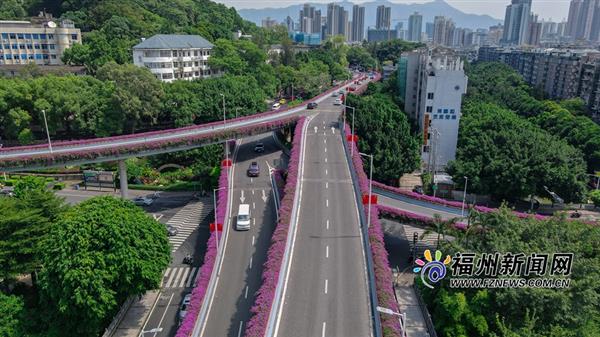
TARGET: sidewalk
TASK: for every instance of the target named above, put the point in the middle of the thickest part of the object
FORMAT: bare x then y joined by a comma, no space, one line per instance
408,303
136,316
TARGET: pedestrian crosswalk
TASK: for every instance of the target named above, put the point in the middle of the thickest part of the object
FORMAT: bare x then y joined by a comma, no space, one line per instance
186,221
179,277
424,241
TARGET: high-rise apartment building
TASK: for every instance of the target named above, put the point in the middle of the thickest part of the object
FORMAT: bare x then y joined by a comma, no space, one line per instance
534,32
310,19
584,20
337,20
358,23
516,22
443,31
384,17
289,23
415,27
41,41
432,84
268,22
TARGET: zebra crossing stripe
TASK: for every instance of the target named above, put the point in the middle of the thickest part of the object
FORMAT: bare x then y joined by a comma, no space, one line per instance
192,277
165,276
168,284
179,271
184,277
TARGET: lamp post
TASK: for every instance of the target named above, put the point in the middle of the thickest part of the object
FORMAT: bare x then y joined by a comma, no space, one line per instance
224,117
462,210
236,111
353,111
401,317
215,208
47,131
370,187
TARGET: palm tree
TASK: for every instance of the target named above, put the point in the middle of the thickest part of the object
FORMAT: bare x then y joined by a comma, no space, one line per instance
441,227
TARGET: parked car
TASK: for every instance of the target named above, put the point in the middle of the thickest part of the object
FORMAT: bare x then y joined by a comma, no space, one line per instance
335,94
253,169
341,92
282,101
6,192
337,101
143,201
418,189
172,230
276,106
259,147
312,105
352,88
183,307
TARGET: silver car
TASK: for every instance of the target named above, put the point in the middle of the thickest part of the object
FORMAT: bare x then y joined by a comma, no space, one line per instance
183,308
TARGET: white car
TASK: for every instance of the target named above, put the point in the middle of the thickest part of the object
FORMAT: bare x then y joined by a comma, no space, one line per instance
183,309
143,201
337,101
276,106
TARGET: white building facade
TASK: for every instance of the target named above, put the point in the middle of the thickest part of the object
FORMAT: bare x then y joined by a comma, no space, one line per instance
434,85
174,57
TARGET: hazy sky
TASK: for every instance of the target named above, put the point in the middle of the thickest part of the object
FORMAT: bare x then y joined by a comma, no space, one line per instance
555,9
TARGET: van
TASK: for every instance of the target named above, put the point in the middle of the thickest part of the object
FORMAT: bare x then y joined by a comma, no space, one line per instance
243,218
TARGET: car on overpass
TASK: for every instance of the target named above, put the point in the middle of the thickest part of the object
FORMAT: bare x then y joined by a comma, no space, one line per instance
259,147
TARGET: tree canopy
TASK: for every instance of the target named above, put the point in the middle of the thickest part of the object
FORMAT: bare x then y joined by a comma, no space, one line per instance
98,253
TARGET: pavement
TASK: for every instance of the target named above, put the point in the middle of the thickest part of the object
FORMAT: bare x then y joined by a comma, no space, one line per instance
245,251
326,291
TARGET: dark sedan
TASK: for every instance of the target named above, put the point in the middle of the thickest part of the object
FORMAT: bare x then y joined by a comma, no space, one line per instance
253,170
312,105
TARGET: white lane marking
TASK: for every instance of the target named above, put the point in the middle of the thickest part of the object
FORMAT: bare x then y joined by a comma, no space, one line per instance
327,251
250,262
326,184
325,150
191,278
251,180
332,130
253,205
325,159
327,202
242,198
253,192
326,285
253,240
246,293
254,221
316,129
327,224
184,277
168,284
325,140
164,314
169,270
293,238
240,330
323,330
264,196
326,172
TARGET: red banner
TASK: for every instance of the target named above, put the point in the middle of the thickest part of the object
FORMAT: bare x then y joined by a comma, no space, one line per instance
365,199
212,226
352,138
226,163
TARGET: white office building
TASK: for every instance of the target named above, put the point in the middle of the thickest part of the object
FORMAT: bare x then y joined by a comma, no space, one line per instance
433,83
174,57
41,41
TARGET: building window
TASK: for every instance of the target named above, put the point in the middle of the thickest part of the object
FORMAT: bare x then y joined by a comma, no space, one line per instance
7,46
13,35
38,56
447,116
44,46
454,117
20,36
51,46
23,56
36,36
8,56
434,116
429,109
445,111
21,46
30,56
45,56
28,36
43,36
195,53
452,111
74,37
15,46
29,46
439,111
5,35
429,95
51,36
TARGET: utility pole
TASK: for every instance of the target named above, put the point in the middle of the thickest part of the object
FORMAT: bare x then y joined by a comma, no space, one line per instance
47,131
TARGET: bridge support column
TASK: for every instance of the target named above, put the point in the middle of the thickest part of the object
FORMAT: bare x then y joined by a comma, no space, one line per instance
123,178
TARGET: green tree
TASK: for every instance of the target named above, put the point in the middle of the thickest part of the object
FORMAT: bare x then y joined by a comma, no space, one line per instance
384,131
595,197
11,9
136,98
510,158
99,253
11,315
360,57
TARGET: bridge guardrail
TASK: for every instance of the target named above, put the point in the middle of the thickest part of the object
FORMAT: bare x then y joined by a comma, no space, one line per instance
377,329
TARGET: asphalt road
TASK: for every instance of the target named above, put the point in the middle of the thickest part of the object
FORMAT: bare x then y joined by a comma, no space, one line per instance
245,251
327,289
419,207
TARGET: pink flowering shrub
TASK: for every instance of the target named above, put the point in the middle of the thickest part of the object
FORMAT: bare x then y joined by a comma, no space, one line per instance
210,257
410,217
257,325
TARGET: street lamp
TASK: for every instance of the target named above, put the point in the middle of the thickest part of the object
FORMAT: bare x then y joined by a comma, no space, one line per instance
47,131
401,317
462,210
370,187
224,117
215,207
236,111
